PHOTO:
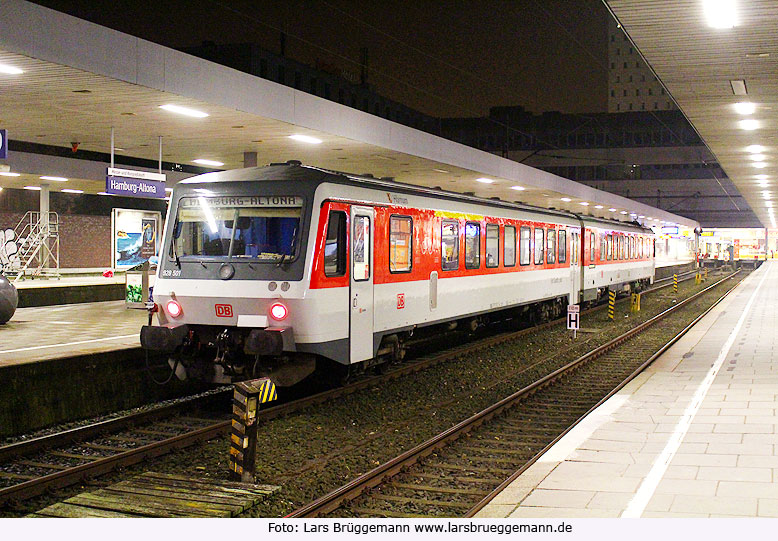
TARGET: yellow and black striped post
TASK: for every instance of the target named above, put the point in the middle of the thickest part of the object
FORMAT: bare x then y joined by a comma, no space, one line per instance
635,304
697,279
611,303
675,283
246,398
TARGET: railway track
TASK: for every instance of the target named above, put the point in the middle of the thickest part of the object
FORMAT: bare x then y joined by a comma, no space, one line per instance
457,472
29,468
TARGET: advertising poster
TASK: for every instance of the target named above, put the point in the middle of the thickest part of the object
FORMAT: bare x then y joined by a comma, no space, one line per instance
148,247
134,236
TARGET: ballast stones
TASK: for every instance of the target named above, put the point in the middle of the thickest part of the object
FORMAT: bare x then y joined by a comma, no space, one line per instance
9,299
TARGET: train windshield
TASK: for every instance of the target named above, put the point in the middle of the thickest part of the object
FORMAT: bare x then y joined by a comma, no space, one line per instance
255,228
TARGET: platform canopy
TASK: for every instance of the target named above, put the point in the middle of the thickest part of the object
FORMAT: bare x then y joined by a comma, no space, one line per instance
710,56
79,80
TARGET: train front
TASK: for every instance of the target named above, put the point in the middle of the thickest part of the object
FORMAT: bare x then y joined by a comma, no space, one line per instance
230,277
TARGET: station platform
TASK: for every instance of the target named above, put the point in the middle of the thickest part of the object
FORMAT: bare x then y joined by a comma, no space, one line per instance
54,332
695,435
70,289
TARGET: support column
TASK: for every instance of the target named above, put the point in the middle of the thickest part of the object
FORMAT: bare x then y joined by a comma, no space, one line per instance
44,225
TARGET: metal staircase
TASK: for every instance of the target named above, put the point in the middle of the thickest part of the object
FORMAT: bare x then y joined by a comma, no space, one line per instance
37,239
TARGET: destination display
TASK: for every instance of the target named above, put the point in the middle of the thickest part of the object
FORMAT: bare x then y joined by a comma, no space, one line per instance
245,201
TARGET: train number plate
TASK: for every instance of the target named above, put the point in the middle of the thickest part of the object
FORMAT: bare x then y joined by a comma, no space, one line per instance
223,310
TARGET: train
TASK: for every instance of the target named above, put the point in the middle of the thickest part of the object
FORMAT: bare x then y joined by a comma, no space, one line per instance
288,270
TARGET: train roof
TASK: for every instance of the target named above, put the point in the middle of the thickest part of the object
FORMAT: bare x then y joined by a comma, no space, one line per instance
295,170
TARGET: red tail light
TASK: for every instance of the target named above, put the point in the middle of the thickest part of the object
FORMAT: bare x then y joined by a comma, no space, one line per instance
278,311
174,309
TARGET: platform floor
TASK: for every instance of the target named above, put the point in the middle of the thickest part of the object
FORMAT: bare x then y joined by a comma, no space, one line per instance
695,435
51,332
69,281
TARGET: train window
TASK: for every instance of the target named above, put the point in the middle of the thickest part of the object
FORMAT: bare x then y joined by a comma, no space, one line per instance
538,246
591,248
631,248
609,247
335,246
551,246
524,246
492,245
400,243
472,245
640,247
449,245
509,246
361,247
603,246
562,246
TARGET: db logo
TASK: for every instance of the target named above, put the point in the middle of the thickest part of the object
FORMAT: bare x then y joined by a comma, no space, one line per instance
223,310
400,301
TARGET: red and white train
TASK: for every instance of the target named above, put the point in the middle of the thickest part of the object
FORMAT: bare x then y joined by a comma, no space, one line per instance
273,270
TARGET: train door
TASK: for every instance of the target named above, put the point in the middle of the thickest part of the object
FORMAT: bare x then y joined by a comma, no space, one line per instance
361,285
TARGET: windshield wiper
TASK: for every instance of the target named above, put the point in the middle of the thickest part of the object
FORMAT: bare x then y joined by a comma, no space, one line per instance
291,249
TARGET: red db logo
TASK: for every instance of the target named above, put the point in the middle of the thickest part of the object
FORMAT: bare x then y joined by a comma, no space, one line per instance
223,310
400,301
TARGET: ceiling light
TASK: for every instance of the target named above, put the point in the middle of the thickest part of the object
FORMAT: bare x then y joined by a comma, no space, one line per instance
55,179
641,216
755,149
584,203
759,165
484,180
9,174
441,171
720,13
623,212
213,163
518,188
598,206
566,199
748,124
744,108
757,157
613,210
105,193
766,195
68,190
183,111
5,68
32,188
305,139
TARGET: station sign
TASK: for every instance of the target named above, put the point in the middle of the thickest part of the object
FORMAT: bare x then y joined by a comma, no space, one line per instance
135,183
573,317
3,144
669,230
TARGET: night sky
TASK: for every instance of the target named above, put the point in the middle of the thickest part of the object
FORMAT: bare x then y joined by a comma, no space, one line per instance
444,58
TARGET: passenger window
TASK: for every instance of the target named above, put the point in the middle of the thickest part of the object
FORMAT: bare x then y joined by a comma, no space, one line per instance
551,246
563,246
640,248
400,243
472,245
610,247
361,247
603,247
538,246
591,249
335,245
492,245
524,246
449,245
509,246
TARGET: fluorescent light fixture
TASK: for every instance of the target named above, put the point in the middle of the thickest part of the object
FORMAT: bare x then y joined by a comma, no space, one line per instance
566,199
38,188
212,163
641,216
598,206
755,149
623,212
761,177
105,193
55,179
441,171
305,139
759,165
68,190
766,195
484,180
720,13
744,108
10,70
748,124
9,174
738,87
518,188
757,157
584,203
613,210
183,110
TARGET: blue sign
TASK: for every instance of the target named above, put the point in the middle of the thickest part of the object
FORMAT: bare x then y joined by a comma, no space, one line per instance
3,144
134,187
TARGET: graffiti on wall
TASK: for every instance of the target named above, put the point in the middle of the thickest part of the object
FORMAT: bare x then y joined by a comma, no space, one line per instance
8,249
